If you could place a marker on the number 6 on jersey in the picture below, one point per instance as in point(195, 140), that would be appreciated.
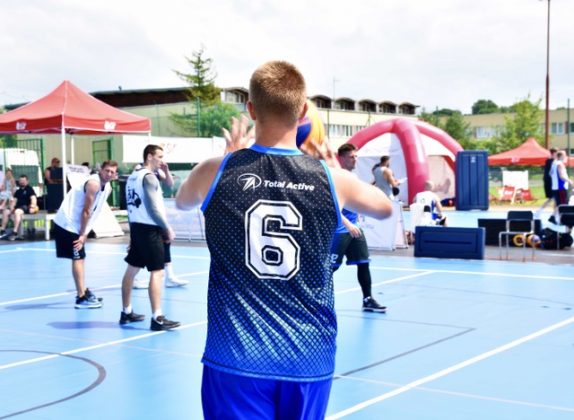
point(271, 252)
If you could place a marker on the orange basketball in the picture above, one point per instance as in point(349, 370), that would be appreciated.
point(311, 127)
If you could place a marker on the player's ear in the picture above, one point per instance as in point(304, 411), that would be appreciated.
point(304, 110)
point(250, 110)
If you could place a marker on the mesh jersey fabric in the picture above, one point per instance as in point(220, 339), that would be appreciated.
point(270, 216)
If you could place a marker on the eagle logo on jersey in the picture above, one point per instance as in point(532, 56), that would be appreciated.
point(248, 181)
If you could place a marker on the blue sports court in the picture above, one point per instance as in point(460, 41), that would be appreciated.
point(462, 339)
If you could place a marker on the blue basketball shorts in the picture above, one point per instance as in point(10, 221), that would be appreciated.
point(226, 396)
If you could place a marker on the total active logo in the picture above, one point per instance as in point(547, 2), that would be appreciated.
point(249, 181)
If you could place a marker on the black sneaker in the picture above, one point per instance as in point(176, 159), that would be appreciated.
point(13, 236)
point(371, 305)
point(90, 295)
point(131, 317)
point(86, 302)
point(163, 324)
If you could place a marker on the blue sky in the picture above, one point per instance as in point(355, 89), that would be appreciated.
point(441, 53)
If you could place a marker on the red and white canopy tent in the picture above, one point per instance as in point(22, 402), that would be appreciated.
point(529, 153)
point(69, 110)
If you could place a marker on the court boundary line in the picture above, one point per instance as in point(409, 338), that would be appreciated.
point(381, 283)
point(73, 292)
point(476, 273)
point(98, 346)
point(465, 395)
point(451, 369)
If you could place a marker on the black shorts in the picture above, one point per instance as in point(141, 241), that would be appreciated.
point(25, 209)
point(355, 249)
point(147, 248)
point(65, 244)
point(560, 197)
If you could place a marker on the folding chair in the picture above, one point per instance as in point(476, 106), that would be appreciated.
point(565, 218)
point(506, 193)
point(513, 218)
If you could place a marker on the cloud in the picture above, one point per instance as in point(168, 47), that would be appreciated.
point(444, 53)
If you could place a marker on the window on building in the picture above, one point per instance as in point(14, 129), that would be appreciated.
point(557, 128)
point(484, 132)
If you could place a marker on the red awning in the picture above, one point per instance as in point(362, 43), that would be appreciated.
point(69, 109)
point(529, 153)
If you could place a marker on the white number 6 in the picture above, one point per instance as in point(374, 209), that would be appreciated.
point(272, 254)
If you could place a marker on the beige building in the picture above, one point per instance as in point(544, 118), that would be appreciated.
point(485, 126)
point(343, 117)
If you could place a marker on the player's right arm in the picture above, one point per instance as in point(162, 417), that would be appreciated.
point(194, 189)
point(360, 197)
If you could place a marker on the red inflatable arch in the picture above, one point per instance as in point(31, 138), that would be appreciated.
point(408, 132)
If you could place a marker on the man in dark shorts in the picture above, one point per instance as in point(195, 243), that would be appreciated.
point(149, 231)
point(73, 222)
point(349, 240)
point(24, 203)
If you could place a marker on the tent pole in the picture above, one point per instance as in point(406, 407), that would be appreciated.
point(64, 160)
point(72, 150)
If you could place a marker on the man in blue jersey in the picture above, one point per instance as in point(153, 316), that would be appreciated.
point(350, 242)
point(270, 215)
point(559, 178)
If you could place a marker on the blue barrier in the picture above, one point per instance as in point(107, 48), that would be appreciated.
point(449, 242)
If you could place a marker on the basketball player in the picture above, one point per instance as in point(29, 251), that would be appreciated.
point(270, 215)
point(73, 222)
point(149, 230)
point(171, 280)
point(350, 242)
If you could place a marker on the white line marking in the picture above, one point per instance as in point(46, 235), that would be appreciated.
point(91, 251)
point(354, 289)
point(96, 346)
point(451, 369)
point(478, 273)
point(110, 286)
point(462, 394)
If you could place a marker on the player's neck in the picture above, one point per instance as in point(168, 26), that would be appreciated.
point(276, 136)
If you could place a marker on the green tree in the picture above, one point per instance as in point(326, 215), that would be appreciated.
point(431, 118)
point(524, 122)
point(459, 130)
point(201, 92)
point(444, 112)
point(215, 117)
point(484, 106)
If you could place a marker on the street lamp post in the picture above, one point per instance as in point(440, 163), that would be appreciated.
point(547, 113)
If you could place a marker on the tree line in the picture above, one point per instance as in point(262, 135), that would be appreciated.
point(521, 120)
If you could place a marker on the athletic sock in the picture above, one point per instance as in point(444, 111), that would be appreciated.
point(169, 271)
point(157, 314)
point(128, 310)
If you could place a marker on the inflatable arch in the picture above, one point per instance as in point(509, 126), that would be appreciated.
point(411, 145)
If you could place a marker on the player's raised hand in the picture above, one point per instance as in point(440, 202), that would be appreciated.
point(322, 151)
point(240, 135)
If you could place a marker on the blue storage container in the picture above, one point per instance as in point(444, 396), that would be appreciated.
point(472, 180)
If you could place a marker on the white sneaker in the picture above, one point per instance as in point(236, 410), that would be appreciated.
point(141, 284)
point(175, 282)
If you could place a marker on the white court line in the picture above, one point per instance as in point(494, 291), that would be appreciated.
point(96, 252)
point(110, 286)
point(411, 276)
point(451, 369)
point(96, 346)
point(462, 394)
point(478, 273)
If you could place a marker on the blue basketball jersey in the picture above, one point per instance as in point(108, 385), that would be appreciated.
point(351, 216)
point(270, 216)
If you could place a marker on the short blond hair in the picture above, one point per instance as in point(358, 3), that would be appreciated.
point(277, 88)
